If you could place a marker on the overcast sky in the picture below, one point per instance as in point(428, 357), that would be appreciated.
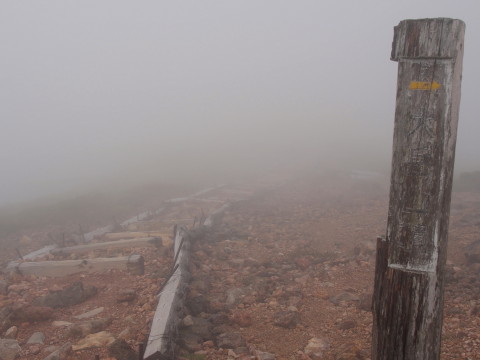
point(92, 90)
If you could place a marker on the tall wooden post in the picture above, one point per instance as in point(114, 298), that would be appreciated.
point(409, 275)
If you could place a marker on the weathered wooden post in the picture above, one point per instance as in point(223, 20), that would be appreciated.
point(409, 276)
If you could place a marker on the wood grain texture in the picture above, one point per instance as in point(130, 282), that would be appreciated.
point(164, 330)
point(133, 263)
point(408, 296)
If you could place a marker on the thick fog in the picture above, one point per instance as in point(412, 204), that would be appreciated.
point(132, 92)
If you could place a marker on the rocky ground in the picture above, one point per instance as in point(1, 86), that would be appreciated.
point(287, 274)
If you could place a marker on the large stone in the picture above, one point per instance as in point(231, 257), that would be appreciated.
point(316, 347)
point(60, 354)
point(89, 327)
point(72, 295)
point(345, 297)
point(191, 342)
point(120, 350)
point(197, 305)
point(230, 340)
point(195, 333)
point(201, 327)
point(11, 333)
point(9, 349)
point(365, 302)
point(29, 313)
point(347, 324)
point(286, 319)
point(126, 295)
point(36, 338)
point(99, 339)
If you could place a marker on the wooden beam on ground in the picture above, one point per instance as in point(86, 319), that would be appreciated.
point(215, 216)
point(161, 341)
point(409, 275)
point(119, 244)
point(134, 234)
point(133, 264)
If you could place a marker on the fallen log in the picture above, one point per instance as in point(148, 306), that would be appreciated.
point(161, 341)
point(134, 264)
point(119, 244)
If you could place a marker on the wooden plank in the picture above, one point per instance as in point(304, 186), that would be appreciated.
point(134, 234)
point(214, 216)
point(118, 244)
point(408, 295)
point(133, 263)
point(163, 333)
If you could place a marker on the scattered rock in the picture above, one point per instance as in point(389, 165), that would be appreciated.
point(72, 295)
point(347, 324)
point(242, 318)
point(29, 313)
point(187, 321)
point(11, 333)
point(197, 332)
point(89, 314)
point(304, 262)
point(197, 305)
point(99, 339)
point(287, 319)
point(365, 302)
point(316, 347)
point(18, 288)
point(262, 355)
point(61, 323)
point(234, 297)
point(89, 327)
point(36, 338)
point(60, 354)
point(223, 328)
point(9, 349)
point(126, 295)
point(191, 342)
point(230, 340)
point(350, 352)
point(345, 297)
point(6, 314)
point(34, 349)
point(202, 327)
point(125, 334)
point(120, 350)
point(3, 287)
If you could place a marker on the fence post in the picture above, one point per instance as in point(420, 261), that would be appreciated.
point(409, 274)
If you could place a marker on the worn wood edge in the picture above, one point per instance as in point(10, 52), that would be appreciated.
point(213, 218)
point(134, 263)
point(416, 31)
point(415, 295)
point(161, 343)
point(136, 242)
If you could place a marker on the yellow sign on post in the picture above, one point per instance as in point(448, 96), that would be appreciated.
point(424, 85)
